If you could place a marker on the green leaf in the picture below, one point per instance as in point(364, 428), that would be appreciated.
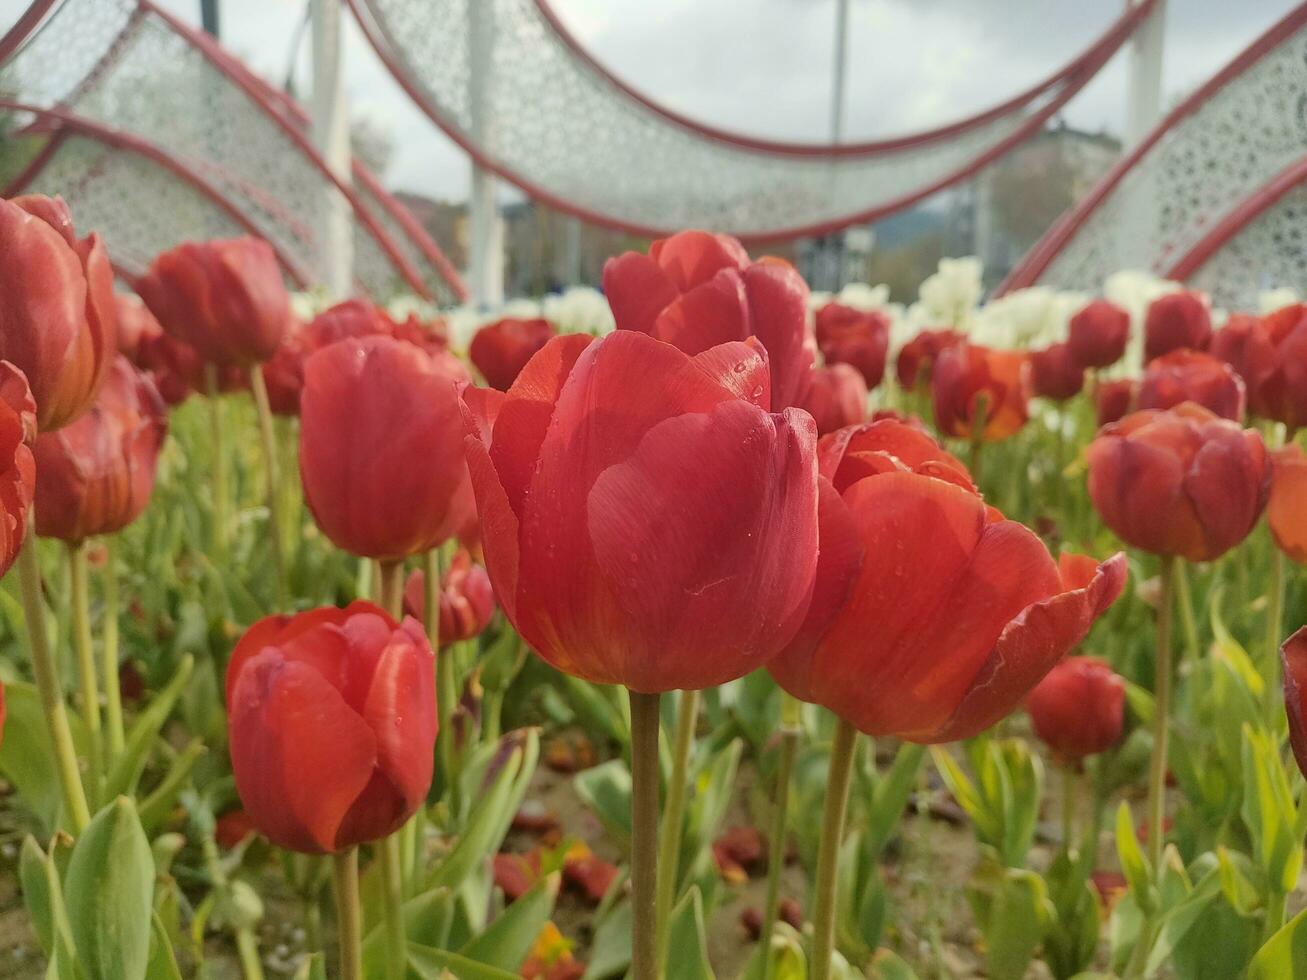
point(507, 941)
point(687, 944)
point(606, 788)
point(163, 964)
point(1017, 916)
point(110, 888)
point(610, 953)
point(1133, 863)
point(427, 921)
point(1236, 882)
point(25, 758)
point(888, 965)
point(1285, 953)
point(432, 964)
point(37, 896)
point(1269, 811)
point(891, 796)
point(312, 968)
point(482, 834)
point(145, 731)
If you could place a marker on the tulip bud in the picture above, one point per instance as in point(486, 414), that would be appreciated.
point(859, 338)
point(1287, 510)
point(1270, 353)
point(467, 602)
point(1176, 321)
point(836, 398)
point(1078, 709)
point(332, 725)
point(223, 297)
point(1114, 400)
point(96, 475)
point(972, 383)
point(696, 290)
point(1098, 334)
point(1192, 376)
point(58, 324)
point(916, 363)
point(501, 349)
point(1179, 482)
point(1055, 373)
point(1293, 658)
point(381, 447)
point(17, 466)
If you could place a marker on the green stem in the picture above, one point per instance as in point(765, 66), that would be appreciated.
point(349, 924)
point(272, 467)
point(791, 729)
point(392, 907)
point(1161, 713)
point(1070, 787)
point(47, 682)
point(1275, 906)
point(644, 835)
point(84, 646)
point(218, 454)
point(247, 945)
point(1193, 646)
point(109, 654)
point(828, 854)
point(669, 843)
point(446, 675)
point(1275, 608)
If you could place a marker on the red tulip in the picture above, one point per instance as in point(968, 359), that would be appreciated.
point(1271, 355)
point(135, 321)
point(96, 475)
point(645, 521)
point(467, 602)
point(916, 363)
point(933, 616)
point(1192, 376)
point(223, 297)
point(836, 398)
point(17, 466)
point(1098, 334)
point(1055, 373)
point(331, 717)
point(283, 373)
point(381, 447)
point(1293, 657)
point(1179, 482)
point(1114, 400)
point(1078, 709)
point(58, 324)
point(859, 338)
point(501, 349)
point(1287, 510)
point(970, 379)
point(232, 828)
point(1176, 321)
point(696, 291)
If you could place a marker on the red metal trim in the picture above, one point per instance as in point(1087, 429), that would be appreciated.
point(238, 75)
point(36, 164)
point(1056, 238)
point(70, 123)
point(24, 26)
point(1032, 124)
point(1243, 214)
point(870, 147)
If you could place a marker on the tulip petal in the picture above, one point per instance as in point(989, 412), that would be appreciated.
point(300, 775)
point(1138, 490)
point(711, 314)
point(1027, 649)
point(1228, 483)
point(1293, 657)
point(778, 301)
point(637, 290)
point(741, 368)
point(1287, 511)
point(691, 258)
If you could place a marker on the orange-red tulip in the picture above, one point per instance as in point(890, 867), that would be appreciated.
point(1287, 510)
point(58, 324)
point(969, 380)
point(1176, 321)
point(1098, 334)
point(467, 602)
point(331, 718)
point(1114, 400)
point(17, 467)
point(1179, 482)
point(501, 349)
point(645, 520)
point(837, 397)
point(1192, 376)
point(933, 617)
point(859, 338)
point(1293, 657)
point(1270, 354)
point(1055, 373)
point(696, 290)
point(916, 363)
point(96, 475)
point(381, 446)
point(224, 297)
point(1078, 709)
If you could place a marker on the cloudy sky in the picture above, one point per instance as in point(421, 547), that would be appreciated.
point(763, 66)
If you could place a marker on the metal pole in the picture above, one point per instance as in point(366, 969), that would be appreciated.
point(331, 136)
point(486, 227)
point(839, 71)
point(209, 16)
point(1144, 94)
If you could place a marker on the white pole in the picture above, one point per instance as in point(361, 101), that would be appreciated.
point(839, 71)
point(1144, 95)
point(486, 227)
point(330, 117)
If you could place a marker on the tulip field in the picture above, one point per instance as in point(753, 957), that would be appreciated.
point(736, 631)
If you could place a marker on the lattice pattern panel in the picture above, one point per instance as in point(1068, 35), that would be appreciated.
point(1209, 161)
point(564, 130)
point(137, 206)
point(124, 65)
point(1269, 253)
